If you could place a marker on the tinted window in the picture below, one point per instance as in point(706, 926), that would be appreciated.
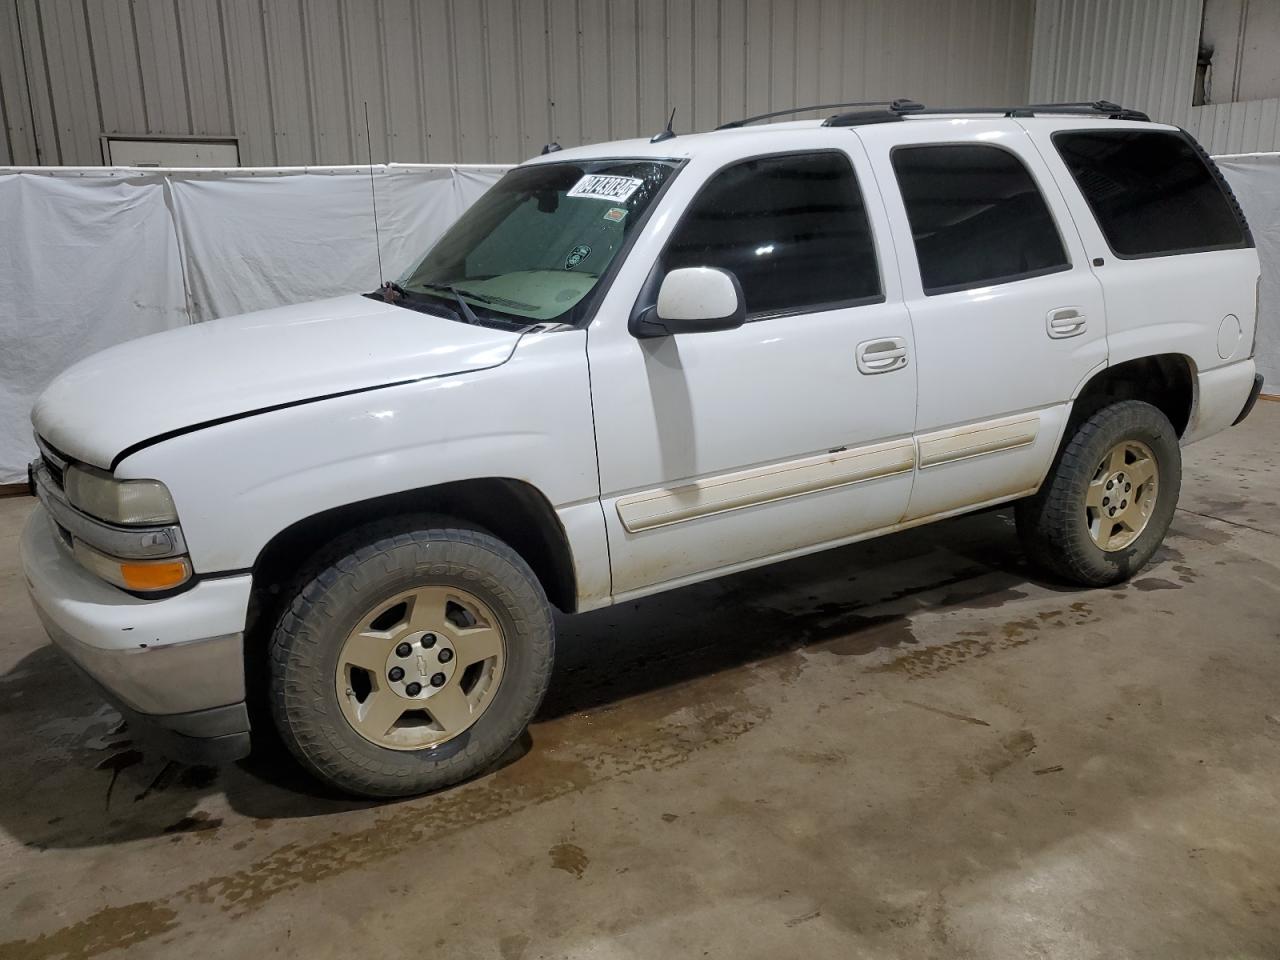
point(1151, 192)
point(976, 216)
point(792, 229)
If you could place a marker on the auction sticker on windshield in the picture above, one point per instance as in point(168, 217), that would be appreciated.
point(617, 189)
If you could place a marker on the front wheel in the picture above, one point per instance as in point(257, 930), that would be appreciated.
point(1109, 499)
point(413, 660)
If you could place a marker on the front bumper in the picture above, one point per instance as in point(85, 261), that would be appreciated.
point(174, 667)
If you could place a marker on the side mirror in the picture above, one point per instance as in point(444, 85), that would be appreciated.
point(694, 300)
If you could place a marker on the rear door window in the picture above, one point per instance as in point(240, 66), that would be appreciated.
point(977, 217)
point(1150, 191)
point(792, 228)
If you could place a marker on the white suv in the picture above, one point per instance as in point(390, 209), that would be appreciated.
point(629, 367)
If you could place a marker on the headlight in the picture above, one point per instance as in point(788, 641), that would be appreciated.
point(125, 502)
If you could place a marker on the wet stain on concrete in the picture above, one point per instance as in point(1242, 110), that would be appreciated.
point(796, 921)
point(820, 758)
point(894, 631)
point(969, 645)
point(1155, 583)
point(111, 928)
point(1197, 530)
point(947, 713)
point(867, 634)
point(1012, 748)
point(570, 858)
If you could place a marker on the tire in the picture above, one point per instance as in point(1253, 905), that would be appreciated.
point(326, 648)
point(1055, 524)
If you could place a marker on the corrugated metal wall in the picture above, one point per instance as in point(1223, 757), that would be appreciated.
point(472, 80)
point(1141, 53)
point(1252, 126)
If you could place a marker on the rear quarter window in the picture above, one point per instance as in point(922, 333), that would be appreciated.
point(1151, 192)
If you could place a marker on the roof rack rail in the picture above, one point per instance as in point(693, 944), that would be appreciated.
point(1112, 112)
point(902, 107)
point(899, 109)
point(732, 124)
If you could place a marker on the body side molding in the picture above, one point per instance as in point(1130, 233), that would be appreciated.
point(975, 439)
point(648, 509)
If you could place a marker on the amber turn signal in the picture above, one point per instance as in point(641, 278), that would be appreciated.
point(154, 576)
point(143, 576)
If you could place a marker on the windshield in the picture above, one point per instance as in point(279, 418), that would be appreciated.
point(539, 240)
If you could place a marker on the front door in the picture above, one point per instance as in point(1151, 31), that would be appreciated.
point(722, 450)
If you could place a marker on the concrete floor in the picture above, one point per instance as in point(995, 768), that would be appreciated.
point(902, 748)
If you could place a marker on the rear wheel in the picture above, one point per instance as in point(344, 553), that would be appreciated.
point(412, 661)
point(1109, 499)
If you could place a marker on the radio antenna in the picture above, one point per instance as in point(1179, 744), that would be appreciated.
point(373, 193)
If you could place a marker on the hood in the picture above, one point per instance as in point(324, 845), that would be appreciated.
point(225, 368)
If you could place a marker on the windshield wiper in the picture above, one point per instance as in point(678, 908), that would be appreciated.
point(465, 308)
point(483, 298)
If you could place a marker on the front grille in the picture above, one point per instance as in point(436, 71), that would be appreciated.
point(53, 461)
point(55, 472)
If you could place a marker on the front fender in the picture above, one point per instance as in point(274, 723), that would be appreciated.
point(237, 484)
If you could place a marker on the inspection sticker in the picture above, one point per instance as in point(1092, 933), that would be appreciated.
point(617, 189)
point(576, 256)
point(615, 214)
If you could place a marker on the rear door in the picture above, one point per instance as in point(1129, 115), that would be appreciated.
point(1008, 317)
point(1164, 236)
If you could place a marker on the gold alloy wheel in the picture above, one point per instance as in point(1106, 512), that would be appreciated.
point(420, 667)
point(1122, 495)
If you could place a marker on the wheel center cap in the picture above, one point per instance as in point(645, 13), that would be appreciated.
point(1117, 494)
point(425, 667)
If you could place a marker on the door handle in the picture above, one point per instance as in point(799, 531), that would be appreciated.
point(881, 356)
point(1066, 322)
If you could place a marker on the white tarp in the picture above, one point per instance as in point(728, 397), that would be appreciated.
point(1255, 180)
point(96, 256)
